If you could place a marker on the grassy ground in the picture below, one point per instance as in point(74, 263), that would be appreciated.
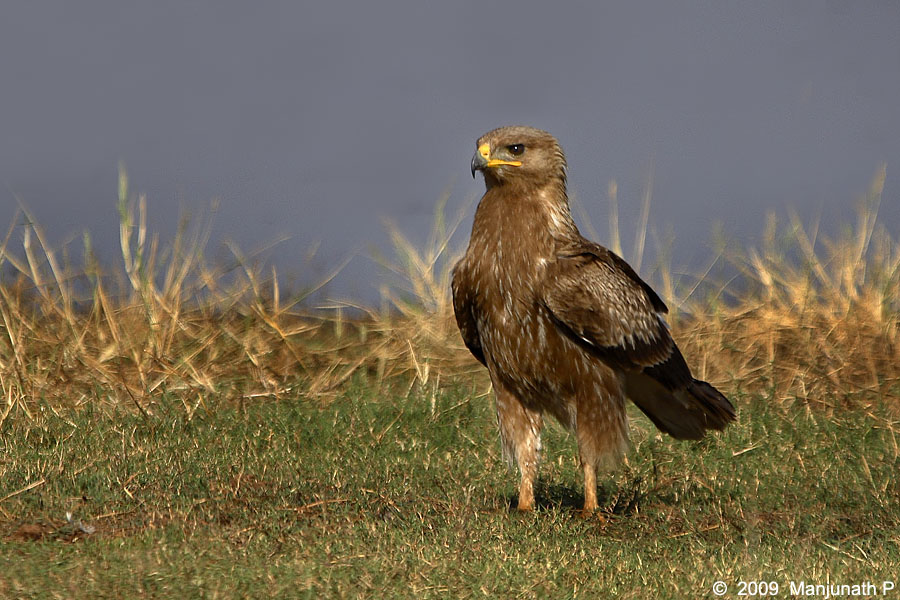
point(407, 496)
point(174, 429)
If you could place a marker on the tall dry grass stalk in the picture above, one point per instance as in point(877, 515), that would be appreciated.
point(809, 319)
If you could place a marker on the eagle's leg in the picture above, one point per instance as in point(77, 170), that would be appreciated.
point(520, 433)
point(590, 440)
point(590, 488)
point(602, 432)
point(527, 449)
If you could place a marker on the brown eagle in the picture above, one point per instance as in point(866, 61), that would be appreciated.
point(563, 325)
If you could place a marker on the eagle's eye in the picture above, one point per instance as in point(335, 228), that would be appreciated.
point(516, 149)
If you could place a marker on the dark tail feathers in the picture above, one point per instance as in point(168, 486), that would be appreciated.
point(685, 414)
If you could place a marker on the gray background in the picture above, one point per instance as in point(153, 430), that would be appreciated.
point(317, 121)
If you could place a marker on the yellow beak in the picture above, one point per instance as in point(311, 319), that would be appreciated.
point(483, 160)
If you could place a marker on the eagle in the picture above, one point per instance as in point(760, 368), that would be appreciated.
point(564, 326)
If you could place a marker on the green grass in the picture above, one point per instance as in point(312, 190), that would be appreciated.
point(393, 496)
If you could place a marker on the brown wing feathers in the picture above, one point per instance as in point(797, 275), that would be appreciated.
point(465, 318)
point(608, 309)
point(598, 301)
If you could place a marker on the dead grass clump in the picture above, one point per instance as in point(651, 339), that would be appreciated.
point(169, 324)
point(805, 318)
point(815, 319)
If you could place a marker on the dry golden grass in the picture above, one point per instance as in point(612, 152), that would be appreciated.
point(810, 319)
point(813, 325)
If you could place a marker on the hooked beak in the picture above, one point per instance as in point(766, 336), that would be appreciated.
point(482, 160)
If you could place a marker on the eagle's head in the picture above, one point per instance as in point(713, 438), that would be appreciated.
point(519, 155)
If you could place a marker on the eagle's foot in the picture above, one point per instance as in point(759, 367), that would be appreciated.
point(590, 490)
point(592, 513)
point(526, 495)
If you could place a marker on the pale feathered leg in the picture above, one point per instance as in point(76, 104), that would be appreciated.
point(590, 488)
point(520, 434)
point(602, 431)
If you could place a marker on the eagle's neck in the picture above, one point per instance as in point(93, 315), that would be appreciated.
point(555, 202)
point(535, 212)
point(516, 233)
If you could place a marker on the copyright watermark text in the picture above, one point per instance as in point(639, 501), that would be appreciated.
point(804, 589)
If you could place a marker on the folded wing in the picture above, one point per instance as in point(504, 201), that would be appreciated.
point(463, 308)
point(596, 299)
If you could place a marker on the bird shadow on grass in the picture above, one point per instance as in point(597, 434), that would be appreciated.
point(616, 500)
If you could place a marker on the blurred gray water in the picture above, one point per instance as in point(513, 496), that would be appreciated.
point(319, 120)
